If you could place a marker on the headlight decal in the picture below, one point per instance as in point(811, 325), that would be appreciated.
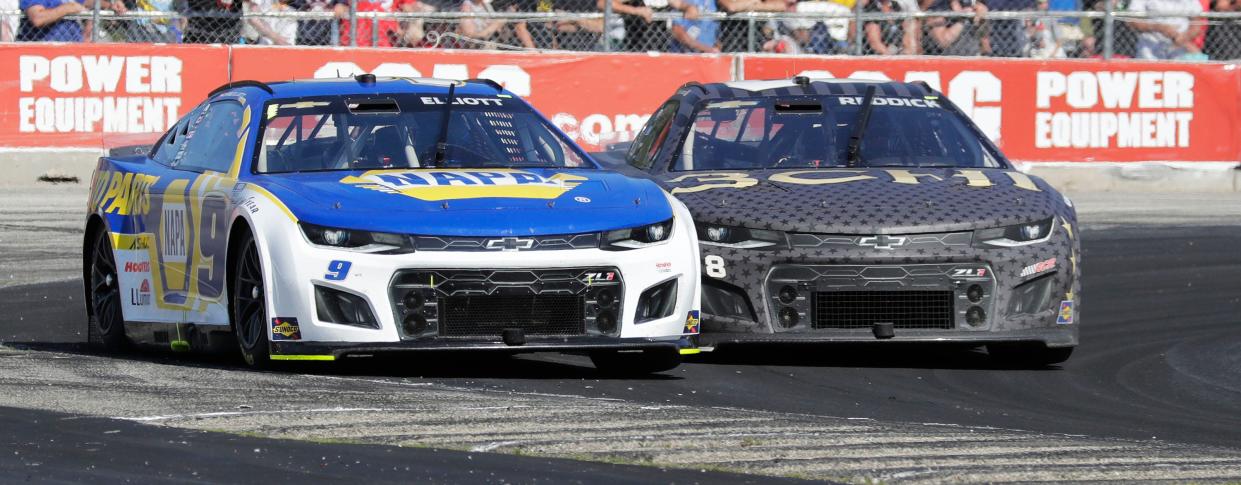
point(359, 241)
point(638, 237)
point(738, 237)
point(1016, 235)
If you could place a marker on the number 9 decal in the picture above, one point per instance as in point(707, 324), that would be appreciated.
point(714, 266)
point(337, 270)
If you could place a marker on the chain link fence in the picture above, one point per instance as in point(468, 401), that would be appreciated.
point(1009, 28)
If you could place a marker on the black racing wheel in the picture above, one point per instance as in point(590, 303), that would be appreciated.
point(249, 310)
point(106, 320)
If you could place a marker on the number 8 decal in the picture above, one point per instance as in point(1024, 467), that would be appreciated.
point(337, 270)
point(715, 266)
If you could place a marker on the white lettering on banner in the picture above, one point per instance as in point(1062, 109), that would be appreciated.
point(1171, 92)
point(598, 129)
point(967, 89)
point(78, 76)
point(513, 78)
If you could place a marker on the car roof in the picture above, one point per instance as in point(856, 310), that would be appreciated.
point(806, 86)
point(365, 85)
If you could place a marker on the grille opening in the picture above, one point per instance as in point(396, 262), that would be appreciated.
point(490, 315)
point(905, 309)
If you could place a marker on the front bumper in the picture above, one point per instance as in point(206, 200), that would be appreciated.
point(339, 350)
point(381, 282)
point(1050, 337)
point(940, 289)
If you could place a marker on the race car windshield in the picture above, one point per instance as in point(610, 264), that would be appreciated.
point(814, 132)
point(402, 131)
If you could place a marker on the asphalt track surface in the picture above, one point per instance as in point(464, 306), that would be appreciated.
point(1159, 362)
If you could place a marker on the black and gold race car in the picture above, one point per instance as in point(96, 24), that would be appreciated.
point(847, 210)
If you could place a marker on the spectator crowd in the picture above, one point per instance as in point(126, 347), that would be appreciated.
point(1146, 29)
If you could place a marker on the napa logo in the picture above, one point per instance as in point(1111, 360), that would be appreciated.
point(437, 185)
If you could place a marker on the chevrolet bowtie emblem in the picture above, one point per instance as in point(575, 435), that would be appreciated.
point(882, 241)
point(509, 244)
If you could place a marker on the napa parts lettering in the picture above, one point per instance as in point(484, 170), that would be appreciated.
point(90, 94)
point(436, 185)
point(125, 193)
point(1148, 109)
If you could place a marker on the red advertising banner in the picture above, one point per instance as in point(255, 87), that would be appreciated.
point(79, 95)
point(595, 98)
point(103, 95)
point(1066, 110)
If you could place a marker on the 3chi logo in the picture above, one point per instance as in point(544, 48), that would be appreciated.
point(140, 296)
point(509, 244)
point(882, 241)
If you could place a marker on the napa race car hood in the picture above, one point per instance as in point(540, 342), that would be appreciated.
point(469, 202)
point(865, 201)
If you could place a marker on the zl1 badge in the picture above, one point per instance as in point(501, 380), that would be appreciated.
point(1065, 316)
point(285, 329)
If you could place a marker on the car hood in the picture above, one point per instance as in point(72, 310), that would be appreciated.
point(460, 202)
point(866, 201)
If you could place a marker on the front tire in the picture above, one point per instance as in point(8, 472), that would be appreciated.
point(634, 364)
point(248, 305)
point(1028, 355)
point(106, 320)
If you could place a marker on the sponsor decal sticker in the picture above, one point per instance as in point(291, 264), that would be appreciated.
point(692, 323)
point(138, 267)
point(1065, 315)
point(437, 185)
point(285, 329)
point(337, 270)
point(584, 200)
point(1039, 267)
point(141, 296)
point(663, 267)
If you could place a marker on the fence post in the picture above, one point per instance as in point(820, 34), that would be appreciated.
point(607, 25)
point(353, 23)
point(94, 23)
point(335, 30)
point(857, 27)
point(751, 35)
point(1109, 30)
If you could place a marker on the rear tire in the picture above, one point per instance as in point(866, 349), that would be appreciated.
point(106, 322)
point(248, 307)
point(634, 364)
point(1028, 355)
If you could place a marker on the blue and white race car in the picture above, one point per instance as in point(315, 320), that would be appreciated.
point(323, 219)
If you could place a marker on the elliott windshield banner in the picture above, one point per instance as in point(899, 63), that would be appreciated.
point(596, 99)
point(107, 95)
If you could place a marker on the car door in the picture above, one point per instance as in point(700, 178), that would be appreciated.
point(163, 237)
point(192, 221)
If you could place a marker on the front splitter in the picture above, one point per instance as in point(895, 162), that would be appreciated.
point(337, 350)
